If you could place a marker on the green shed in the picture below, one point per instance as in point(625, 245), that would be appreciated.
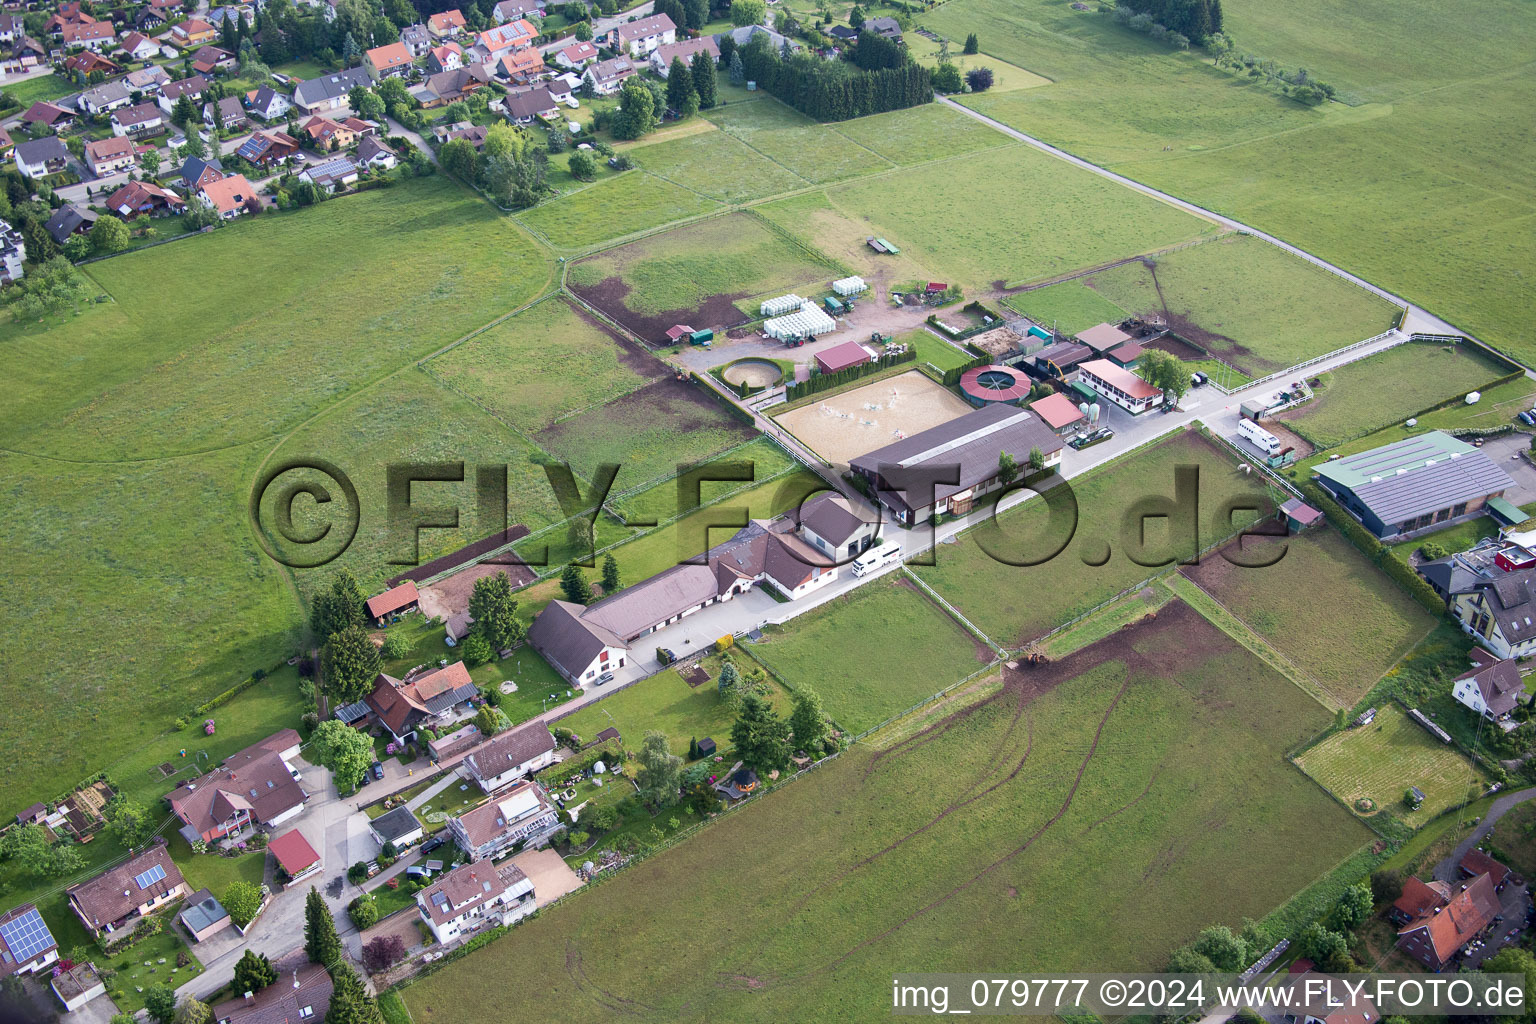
point(700, 337)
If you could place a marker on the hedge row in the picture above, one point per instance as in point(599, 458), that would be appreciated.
point(1373, 548)
point(952, 376)
point(824, 381)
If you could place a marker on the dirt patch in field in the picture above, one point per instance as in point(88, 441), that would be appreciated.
point(1290, 437)
point(1219, 345)
point(610, 295)
point(1176, 346)
point(635, 357)
point(694, 675)
point(680, 404)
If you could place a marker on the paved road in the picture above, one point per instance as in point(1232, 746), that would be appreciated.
point(1417, 319)
point(1447, 870)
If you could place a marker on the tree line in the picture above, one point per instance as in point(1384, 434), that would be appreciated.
point(875, 76)
point(1193, 19)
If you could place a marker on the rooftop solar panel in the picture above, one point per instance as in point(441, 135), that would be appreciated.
point(150, 877)
point(26, 936)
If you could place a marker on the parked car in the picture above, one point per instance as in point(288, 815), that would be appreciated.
point(378, 771)
point(418, 872)
point(606, 677)
point(432, 844)
point(1527, 419)
point(1196, 379)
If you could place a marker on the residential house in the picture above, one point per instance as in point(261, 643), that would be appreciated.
point(494, 44)
point(511, 10)
point(1417, 483)
point(639, 38)
point(416, 40)
point(1443, 930)
point(359, 128)
point(579, 54)
point(148, 19)
point(141, 121)
point(965, 451)
point(524, 106)
point(209, 59)
point(1492, 688)
point(26, 54)
point(89, 62)
point(1118, 385)
point(447, 24)
point(388, 60)
point(885, 27)
point(373, 155)
point(192, 33)
point(197, 172)
point(444, 58)
point(1475, 862)
point(329, 175)
point(192, 87)
point(1314, 998)
point(119, 896)
point(138, 197)
point(257, 786)
point(99, 36)
point(231, 195)
point(69, 12)
point(327, 135)
point(26, 944)
point(394, 601)
point(563, 88)
point(836, 526)
point(12, 28)
point(301, 993)
point(69, 220)
point(329, 92)
point(398, 826)
point(523, 814)
point(226, 114)
point(106, 156)
point(605, 77)
point(433, 699)
point(267, 104)
point(13, 254)
point(104, 98)
point(147, 80)
point(843, 33)
point(268, 148)
point(662, 56)
point(521, 65)
point(203, 916)
point(502, 760)
point(43, 114)
point(746, 33)
point(7, 144)
point(446, 86)
point(1418, 899)
point(139, 46)
point(39, 158)
point(473, 896)
point(473, 134)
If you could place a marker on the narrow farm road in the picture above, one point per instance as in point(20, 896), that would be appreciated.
point(1447, 870)
point(1416, 320)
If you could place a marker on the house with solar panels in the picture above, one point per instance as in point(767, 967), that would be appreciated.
point(475, 896)
point(118, 897)
point(26, 944)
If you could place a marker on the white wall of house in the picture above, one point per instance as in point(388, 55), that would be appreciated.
point(512, 774)
point(819, 578)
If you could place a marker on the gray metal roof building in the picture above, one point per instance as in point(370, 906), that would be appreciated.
point(1414, 483)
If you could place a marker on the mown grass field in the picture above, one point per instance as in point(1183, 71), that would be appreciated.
point(982, 233)
point(1246, 301)
point(1067, 307)
point(873, 652)
point(814, 152)
point(933, 349)
point(1363, 396)
point(711, 274)
point(665, 500)
point(1364, 186)
point(612, 208)
point(666, 703)
point(1323, 606)
point(920, 134)
point(1106, 813)
point(1014, 604)
point(717, 166)
point(1378, 762)
point(544, 363)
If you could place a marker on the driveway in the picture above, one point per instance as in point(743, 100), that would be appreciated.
point(1508, 454)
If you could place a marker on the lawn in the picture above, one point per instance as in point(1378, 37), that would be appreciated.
point(983, 233)
point(1015, 604)
point(712, 274)
point(717, 166)
point(149, 962)
point(1457, 537)
point(1363, 396)
point(1514, 837)
point(1066, 307)
point(1244, 300)
point(631, 202)
point(534, 678)
point(544, 363)
point(922, 134)
point(664, 500)
point(814, 152)
point(1364, 186)
point(933, 349)
point(43, 87)
point(1322, 605)
point(666, 703)
point(1108, 813)
point(1378, 762)
point(214, 872)
point(875, 651)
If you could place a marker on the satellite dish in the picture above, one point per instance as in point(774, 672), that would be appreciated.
point(599, 768)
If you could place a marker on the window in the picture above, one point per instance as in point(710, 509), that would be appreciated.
point(306, 1012)
point(1460, 509)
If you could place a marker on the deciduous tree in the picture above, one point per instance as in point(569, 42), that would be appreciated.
point(383, 952)
point(242, 899)
point(582, 166)
point(160, 1003)
point(661, 771)
point(130, 823)
point(192, 1010)
point(1007, 468)
point(1166, 371)
point(343, 750)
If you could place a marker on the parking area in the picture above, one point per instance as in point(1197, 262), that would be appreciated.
point(1508, 453)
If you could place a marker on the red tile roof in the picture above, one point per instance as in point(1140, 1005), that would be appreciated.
point(1121, 378)
point(293, 852)
point(1057, 410)
point(1449, 929)
point(392, 600)
point(1476, 862)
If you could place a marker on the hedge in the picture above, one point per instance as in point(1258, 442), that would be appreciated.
point(1373, 548)
point(825, 381)
point(952, 376)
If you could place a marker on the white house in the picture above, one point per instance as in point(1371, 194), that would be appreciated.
point(104, 97)
point(398, 826)
point(1491, 688)
point(13, 252)
point(639, 38)
point(502, 760)
point(41, 157)
point(474, 896)
point(523, 814)
point(606, 77)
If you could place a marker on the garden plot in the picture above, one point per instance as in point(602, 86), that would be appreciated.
point(840, 426)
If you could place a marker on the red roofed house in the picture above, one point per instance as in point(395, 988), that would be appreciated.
point(328, 134)
point(473, 896)
point(50, 114)
point(842, 357)
point(119, 896)
point(231, 196)
point(1321, 999)
point(446, 25)
point(448, 57)
point(494, 44)
point(1119, 385)
point(301, 993)
point(1419, 898)
point(295, 856)
point(138, 197)
point(1493, 688)
point(257, 786)
point(93, 35)
point(576, 56)
point(1060, 413)
point(394, 601)
point(387, 60)
point(1476, 862)
point(436, 699)
point(87, 61)
point(521, 64)
point(1435, 937)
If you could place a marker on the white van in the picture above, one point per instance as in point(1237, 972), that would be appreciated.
point(873, 559)
point(1260, 438)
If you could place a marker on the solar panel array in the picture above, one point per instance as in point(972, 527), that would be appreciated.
point(26, 936)
point(150, 877)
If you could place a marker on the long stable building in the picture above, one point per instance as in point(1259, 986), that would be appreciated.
point(972, 444)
